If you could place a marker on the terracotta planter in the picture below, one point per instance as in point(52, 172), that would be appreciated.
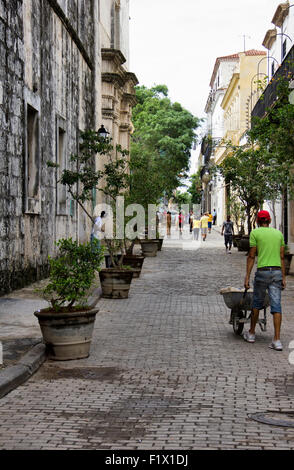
point(67, 335)
point(115, 283)
point(135, 262)
point(149, 247)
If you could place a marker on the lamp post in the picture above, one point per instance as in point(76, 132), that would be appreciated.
point(206, 179)
point(103, 132)
point(267, 57)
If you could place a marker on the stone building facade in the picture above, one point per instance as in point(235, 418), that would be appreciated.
point(63, 69)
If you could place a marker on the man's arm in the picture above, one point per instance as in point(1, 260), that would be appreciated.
point(282, 254)
point(250, 264)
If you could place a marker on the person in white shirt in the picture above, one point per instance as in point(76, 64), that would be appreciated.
point(99, 227)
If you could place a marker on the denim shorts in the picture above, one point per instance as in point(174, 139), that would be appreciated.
point(228, 239)
point(270, 281)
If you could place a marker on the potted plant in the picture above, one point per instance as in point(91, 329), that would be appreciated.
point(113, 181)
point(250, 176)
point(67, 324)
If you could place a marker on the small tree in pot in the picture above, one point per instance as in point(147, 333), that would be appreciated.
point(251, 177)
point(113, 181)
point(67, 325)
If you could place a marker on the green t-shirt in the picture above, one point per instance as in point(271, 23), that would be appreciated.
point(268, 242)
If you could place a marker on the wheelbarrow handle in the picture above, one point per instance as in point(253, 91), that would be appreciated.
point(245, 292)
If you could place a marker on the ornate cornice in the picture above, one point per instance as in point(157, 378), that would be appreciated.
point(114, 55)
point(115, 78)
point(132, 77)
point(281, 12)
point(269, 38)
point(130, 98)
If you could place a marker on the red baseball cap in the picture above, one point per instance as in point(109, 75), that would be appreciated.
point(263, 215)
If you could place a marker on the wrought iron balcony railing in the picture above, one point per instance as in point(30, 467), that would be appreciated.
point(269, 96)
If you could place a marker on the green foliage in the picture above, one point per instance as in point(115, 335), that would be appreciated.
point(113, 180)
point(251, 177)
point(72, 272)
point(237, 212)
point(182, 198)
point(274, 133)
point(195, 188)
point(161, 144)
point(263, 168)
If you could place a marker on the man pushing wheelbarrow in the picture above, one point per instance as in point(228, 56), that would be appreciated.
point(268, 244)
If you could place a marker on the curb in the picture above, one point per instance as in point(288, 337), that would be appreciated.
point(12, 377)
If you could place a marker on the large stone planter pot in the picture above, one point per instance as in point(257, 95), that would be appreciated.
point(135, 262)
point(243, 243)
point(115, 283)
point(67, 335)
point(149, 247)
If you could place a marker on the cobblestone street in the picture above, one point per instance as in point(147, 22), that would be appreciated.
point(166, 370)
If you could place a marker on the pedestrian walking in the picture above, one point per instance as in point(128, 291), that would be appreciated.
point(98, 228)
point(268, 244)
point(204, 225)
point(196, 227)
point(181, 222)
point(228, 232)
point(191, 217)
point(210, 219)
point(168, 223)
point(214, 217)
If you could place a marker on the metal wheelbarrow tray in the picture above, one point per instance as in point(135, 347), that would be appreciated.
point(240, 302)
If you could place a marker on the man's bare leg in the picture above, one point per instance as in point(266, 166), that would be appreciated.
point(254, 320)
point(277, 318)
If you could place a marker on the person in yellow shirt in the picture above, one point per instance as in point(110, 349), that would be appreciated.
point(196, 227)
point(204, 225)
point(210, 219)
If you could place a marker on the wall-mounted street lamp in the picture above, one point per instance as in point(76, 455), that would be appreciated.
point(267, 57)
point(206, 177)
point(103, 132)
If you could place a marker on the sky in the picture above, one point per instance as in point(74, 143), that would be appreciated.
point(176, 42)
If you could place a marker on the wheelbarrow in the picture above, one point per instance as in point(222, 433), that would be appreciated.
point(240, 303)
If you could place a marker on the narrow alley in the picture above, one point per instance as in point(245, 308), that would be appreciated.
point(166, 370)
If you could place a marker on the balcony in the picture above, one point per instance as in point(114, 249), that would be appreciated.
point(269, 96)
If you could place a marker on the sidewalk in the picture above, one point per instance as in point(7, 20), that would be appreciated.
point(23, 351)
point(166, 370)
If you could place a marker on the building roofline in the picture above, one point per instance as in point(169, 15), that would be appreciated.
point(229, 58)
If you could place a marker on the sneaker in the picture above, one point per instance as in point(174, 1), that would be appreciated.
point(249, 337)
point(229, 252)
point(277, 345)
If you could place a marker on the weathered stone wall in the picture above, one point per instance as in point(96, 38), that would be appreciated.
point(46, 62)
point(51, 74)
point(11, 144)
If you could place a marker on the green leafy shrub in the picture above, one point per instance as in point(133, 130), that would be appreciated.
point(72, 273)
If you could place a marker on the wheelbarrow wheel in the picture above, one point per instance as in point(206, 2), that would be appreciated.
point(237, 325)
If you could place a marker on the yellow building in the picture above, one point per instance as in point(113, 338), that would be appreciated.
point(239, 99)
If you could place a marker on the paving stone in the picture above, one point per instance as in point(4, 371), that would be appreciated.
point(165, 371)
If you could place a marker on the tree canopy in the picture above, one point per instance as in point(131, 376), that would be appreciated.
point(164, 133)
